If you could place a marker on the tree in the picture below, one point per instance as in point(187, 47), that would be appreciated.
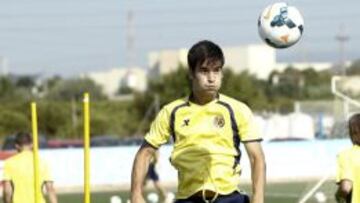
point(73, 89)
point(13, 121)
point(9, 92)
point(26, 82)
point(354, 69)
point(244, 87)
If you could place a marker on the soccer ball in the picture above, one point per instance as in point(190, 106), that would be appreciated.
point(280, 25)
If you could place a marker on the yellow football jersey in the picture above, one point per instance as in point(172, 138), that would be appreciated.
point(348, 168)
point(19, 169)
point(206, 139)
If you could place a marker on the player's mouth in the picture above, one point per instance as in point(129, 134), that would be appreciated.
point(211, 88)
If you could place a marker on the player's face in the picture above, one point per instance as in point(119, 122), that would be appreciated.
point(206, 78)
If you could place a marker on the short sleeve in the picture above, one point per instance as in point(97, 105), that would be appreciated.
point(7, 172)
point(159, 130)
point(343, 167)
point(248, 129)
point(46, 172)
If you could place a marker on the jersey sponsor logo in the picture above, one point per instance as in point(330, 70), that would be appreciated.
point(219, 121)
point(185, 122)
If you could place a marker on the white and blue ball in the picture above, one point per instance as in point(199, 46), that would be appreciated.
point(280, 25)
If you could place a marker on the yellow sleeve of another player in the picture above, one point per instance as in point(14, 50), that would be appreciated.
point(159, 130)
point(46, 172)
point(344, 170)
point(248, 129)
point(7, 172)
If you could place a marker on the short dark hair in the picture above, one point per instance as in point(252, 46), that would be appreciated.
point(202, 51)
point(23, 138)
point(354, 128)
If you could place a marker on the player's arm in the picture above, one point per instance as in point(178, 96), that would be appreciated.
point(139, 170)
point(344, 190)
point(258, 170)
point(49, 186)
point(7, 191)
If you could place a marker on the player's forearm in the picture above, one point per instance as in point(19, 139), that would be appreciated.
point(53, 197)
point(7, 199)
point(258, 177)
point(140, 167)
point(51, 192)
point(7, 192)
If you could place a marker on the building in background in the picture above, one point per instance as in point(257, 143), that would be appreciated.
point(166, 61)
point(4, 66)
point(115, 79)
point(238, 58)
point(257, 59)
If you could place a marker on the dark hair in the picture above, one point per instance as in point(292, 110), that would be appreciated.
point(204, 50)
point(354, 129)
point(22, 138)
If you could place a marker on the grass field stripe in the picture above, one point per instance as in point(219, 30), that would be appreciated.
point(34, 125)
point(314, 189)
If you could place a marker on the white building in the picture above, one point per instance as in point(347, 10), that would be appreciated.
point(257, 59)
point(237, 58)
point(111, 80)
point(166, 61)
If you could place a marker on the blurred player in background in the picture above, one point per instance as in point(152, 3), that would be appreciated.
point(348, 166)
point(19, 174)
point(207, 128)
point(154, 177)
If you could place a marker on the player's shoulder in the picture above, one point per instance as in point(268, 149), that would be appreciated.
point(345, 152)
point(14, 159)
point(237, 105)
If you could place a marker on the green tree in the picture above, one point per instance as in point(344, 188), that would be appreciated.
point(354, 69)
point(71, 89)
point(13, 121)
point(9, 91)
point(244, 87)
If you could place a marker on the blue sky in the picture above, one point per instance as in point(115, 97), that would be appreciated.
point(70, 37)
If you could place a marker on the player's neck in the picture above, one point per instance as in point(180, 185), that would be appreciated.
point(202, 99)
point(24, 148)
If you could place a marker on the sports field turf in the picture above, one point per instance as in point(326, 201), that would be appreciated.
point(275, 193)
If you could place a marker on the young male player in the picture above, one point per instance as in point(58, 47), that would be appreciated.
point(207, 128)
point(348, 166)
point(19, 174)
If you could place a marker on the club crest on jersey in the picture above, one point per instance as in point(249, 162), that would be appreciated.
point(219, 121)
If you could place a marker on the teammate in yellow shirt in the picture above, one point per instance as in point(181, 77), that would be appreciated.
point(348, 166)
point(207, 128)
point(19, 174)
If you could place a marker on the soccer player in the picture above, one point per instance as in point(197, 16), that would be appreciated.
point(206, 128)
point(19, 174)
point(348, 166)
